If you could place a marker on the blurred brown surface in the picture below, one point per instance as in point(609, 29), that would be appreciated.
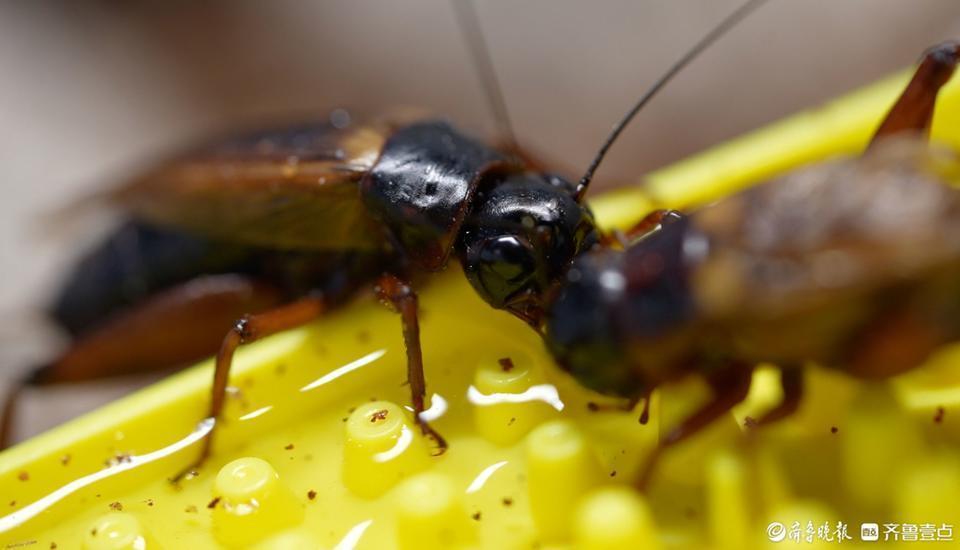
point(90, 91)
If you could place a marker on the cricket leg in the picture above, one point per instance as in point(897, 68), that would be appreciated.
point(624, 405)
point(913, 111)
point(7, 421)
point(729, 389)
point(175, 327)
point(401, 298)
point(791, 381)
point(645, 414)
point(249, 329)
point(651, 222)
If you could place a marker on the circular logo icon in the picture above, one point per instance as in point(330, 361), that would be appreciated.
point(776, 531)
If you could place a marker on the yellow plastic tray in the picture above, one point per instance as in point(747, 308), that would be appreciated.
point(327, 458)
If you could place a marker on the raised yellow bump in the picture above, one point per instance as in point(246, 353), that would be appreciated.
point(430, 513)
point(612, 518)
point(873, 423)
point(505, 423)
point(382, 447)
point(561, 468)
point(250, 502)
point(925, 488)
point(685, 464)
point(728, 501)
point(297, 539)
point(116, 531)
point(246, 479)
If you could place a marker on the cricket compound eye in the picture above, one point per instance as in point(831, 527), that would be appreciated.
point(500, 268)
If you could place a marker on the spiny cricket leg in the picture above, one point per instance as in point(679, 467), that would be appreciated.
point(913, 111)
point(248, 329)
point(400, 297)
point(729, 389)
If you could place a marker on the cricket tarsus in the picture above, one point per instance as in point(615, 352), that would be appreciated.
point(401, 298)
point(645, 415)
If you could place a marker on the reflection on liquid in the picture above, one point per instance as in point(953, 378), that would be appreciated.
point(253, 414)
point(350, 540)
point(404, 441)
point(349, 367)
point(438, 406)
point(481, 479)
point(541, 392)
point(30, 511)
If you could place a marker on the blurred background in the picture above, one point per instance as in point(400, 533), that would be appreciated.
point(92, 91)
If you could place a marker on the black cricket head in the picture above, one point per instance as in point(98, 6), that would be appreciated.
point(521, 236)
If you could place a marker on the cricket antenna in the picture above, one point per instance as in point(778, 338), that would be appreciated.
point(728, 23)
point(470, 25)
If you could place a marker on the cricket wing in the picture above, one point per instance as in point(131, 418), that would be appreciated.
point(287, 188)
